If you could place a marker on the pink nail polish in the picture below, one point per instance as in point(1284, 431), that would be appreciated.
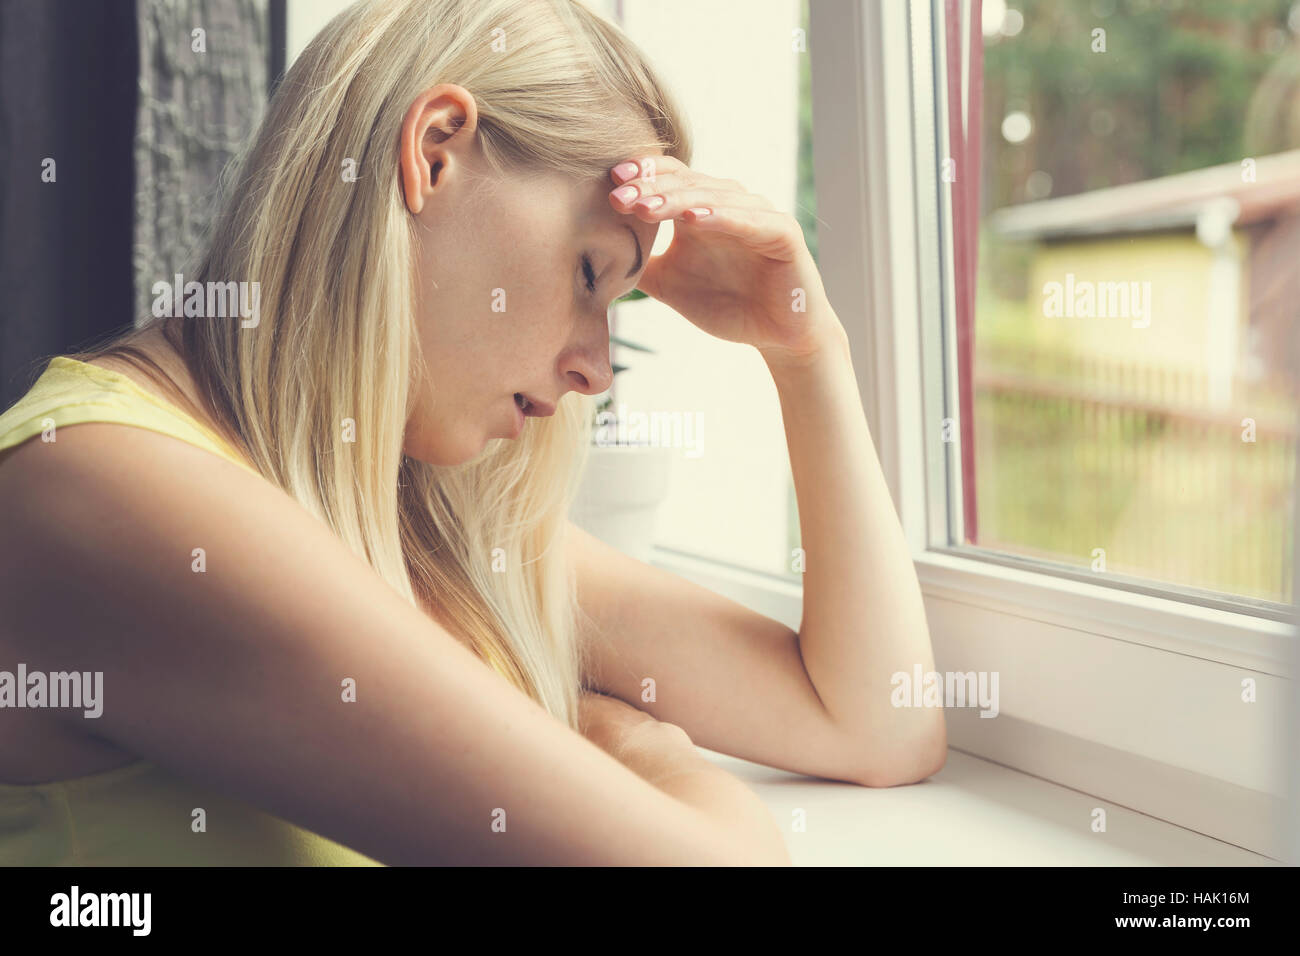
point(699, 212)
point(625, 171)
point(625, 193)
point(654, 202)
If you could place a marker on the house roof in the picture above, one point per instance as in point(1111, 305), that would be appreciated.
point(1170, 202)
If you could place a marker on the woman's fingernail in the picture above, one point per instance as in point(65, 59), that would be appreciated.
point(625, 171)
point(699, 212)
point(654, 202)
point(625, 193)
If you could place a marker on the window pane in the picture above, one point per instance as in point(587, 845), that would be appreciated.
point(1137, 305)
point(730, 495)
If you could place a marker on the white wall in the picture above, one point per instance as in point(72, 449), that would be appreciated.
point(304, 20)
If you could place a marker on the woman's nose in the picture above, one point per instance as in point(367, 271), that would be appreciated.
point(587, 370)
point(584, 366)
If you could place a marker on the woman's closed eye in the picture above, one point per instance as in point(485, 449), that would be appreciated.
point(589, 273)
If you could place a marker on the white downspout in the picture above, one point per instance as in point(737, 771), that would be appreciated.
point(1223, 301)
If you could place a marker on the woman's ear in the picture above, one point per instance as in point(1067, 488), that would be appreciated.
point(436, 133)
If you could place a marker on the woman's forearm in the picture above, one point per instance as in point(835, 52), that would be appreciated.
point(666, 758)
point(732, 808)
point(863, 618)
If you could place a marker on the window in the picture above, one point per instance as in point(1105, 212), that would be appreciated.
point(1121, 199)
point(743, 84)
point(1122, 684)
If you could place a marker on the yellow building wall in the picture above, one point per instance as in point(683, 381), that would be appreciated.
point(1176, 265)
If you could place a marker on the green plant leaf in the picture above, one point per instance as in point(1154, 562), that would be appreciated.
point(630, 345)
point(632, 296)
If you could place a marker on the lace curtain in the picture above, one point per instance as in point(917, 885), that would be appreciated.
point(204, 74)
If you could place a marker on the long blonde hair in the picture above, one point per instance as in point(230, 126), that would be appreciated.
point(557, 88)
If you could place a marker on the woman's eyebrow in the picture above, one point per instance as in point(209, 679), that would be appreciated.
point(637, 264)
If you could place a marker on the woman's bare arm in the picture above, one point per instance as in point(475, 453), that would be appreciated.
point(233, 676)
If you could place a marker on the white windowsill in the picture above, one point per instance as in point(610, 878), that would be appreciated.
point(971, 813)
point(1215, 769)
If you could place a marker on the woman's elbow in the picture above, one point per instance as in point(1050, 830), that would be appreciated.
point(911, 766)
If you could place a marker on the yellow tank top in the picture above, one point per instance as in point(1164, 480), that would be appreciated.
point(139, 814)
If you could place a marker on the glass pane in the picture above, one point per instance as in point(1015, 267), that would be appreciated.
point(730, 495)
point(1138, 298)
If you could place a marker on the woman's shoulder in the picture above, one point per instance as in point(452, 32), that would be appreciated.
point(91, 462)
point(73, 468)
point(104, 390)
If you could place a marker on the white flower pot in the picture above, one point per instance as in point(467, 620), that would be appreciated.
point(620, 496)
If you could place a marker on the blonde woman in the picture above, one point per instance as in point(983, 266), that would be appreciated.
point(281, 541)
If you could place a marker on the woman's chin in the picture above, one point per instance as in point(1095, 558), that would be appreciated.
point(461, 443)
point(445, 454)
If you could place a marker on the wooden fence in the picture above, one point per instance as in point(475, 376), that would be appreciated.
point(1078, 453)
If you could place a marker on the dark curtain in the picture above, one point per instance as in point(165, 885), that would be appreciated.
point(965, 67)
point(68, 74)
point(140, 120)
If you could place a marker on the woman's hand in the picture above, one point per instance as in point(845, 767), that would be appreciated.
point(737, 268)
point(621, 730)
point(663, 755)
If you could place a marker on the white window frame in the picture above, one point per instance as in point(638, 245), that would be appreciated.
point(1132, 697)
